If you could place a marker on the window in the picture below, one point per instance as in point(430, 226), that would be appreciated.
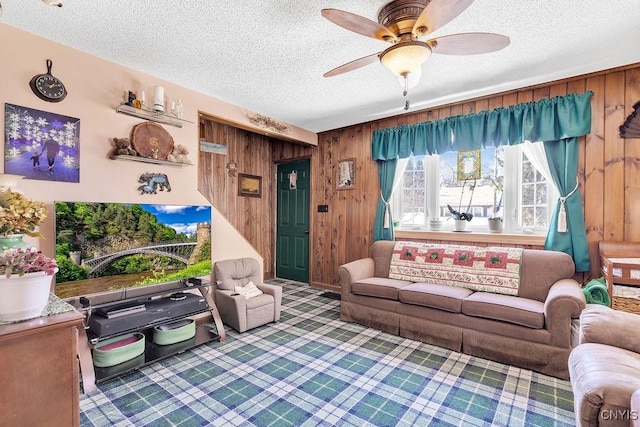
point(510, 187)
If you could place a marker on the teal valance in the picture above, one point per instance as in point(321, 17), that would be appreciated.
point(549, 119)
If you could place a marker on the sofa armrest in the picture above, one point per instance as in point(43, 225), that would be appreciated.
point(565, 301)
point(604, 325)
point(353, 271)
point(276, 293)
point(232, 308)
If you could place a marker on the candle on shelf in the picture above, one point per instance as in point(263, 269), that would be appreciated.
point(173, 107)
point(158, 100)
point(142, 97)
point(179, 108)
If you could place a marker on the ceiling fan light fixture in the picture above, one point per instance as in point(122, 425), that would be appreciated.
point(410, 80)
point(405, 57)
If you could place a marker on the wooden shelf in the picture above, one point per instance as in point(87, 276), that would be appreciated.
point(150, 160)
point(143, 113)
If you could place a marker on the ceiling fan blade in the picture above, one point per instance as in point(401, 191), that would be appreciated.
point(359, 24)
point(468, 43)
point(437, 14)
point(353, 65)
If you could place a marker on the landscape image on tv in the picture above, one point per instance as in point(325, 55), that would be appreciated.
point(108, 246)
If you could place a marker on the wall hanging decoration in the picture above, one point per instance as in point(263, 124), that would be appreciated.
point(631, 126)
point(249, 185)
point(468, 165)
point(346, 174)
point(41, 145)
point(213, 148)
point(151, 140)
point(267, 123)
point(293, 180)
point(153, 182)
point(47, 87)
point(232, 168)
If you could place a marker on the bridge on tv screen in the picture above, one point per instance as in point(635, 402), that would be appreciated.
point(178, 251)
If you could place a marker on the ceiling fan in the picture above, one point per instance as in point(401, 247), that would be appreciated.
point(403, 24)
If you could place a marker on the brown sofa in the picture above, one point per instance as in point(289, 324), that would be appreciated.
point(605, 368)
point(535, 330)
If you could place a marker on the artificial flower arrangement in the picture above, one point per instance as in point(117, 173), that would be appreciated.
point(19, 215)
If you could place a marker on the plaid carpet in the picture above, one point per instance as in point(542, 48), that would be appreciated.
point(311, 369)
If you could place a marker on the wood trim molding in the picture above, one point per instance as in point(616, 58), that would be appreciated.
point(473, 237)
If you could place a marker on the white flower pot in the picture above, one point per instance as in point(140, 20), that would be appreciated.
point(435, 224)
point(495, 225)
point(24, 297)
point(461, 224)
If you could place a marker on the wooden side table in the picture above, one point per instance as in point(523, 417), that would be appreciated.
point(39, 375)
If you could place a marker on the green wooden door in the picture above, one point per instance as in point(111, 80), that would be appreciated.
point(292, 217)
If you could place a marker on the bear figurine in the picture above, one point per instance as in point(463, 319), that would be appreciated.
point(122, 146)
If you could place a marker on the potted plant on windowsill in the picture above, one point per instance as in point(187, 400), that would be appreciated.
point(462, 218)
point(495, 221)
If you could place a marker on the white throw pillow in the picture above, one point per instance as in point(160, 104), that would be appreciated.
point(249, 290)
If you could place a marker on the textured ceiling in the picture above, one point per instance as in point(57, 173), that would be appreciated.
point(269, 56)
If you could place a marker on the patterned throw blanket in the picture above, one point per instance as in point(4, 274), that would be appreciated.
point(488, 269)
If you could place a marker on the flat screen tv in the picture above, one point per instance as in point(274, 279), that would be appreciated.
point(102, 247)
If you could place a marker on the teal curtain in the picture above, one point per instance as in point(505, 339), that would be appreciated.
point(563, 161)
point(383, 226)
point(550, 119)
point(557, 121)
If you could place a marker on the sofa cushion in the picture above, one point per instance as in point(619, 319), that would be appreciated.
point(259, 301)
point(379, 287)
point(506, 308)
point(448, 298)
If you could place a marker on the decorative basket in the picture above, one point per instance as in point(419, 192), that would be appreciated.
point(171, 333)
point(626, 298)
point(118, 349)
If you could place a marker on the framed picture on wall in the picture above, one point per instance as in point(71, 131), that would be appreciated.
point(346, 178)
point(41, 145)
point(469, 165)
point(249, 185)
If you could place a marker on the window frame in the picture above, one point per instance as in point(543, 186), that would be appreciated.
point(511, 201)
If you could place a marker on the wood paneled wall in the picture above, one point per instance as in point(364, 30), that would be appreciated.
point(254, 154)
point(609, 172)
point(252, 216)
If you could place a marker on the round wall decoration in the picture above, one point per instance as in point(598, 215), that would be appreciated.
point(151, 140)
point(48, 87)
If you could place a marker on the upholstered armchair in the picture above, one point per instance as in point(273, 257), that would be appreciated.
point(605, 368)
point(244, 302)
